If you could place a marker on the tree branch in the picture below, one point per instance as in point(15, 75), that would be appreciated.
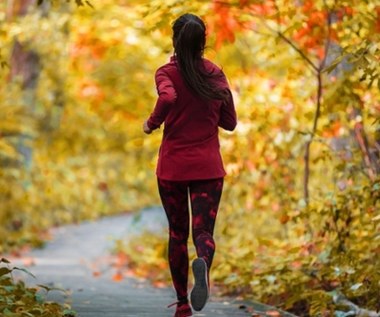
point(308, 143)
point(361, 139)
point(319, 104)
point(297, 49)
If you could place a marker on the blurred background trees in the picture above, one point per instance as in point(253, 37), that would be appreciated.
point(299, 223)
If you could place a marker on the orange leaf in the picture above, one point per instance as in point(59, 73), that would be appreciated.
point(297, 264)
point(117, 277)
point(159, 284)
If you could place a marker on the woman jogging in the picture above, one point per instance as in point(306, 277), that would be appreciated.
point(194, 99)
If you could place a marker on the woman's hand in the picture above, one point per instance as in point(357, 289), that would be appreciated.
point(146, 128)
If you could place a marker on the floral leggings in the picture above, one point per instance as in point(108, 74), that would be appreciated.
point(204, 199)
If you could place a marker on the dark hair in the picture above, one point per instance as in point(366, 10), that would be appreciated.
point(189, 40)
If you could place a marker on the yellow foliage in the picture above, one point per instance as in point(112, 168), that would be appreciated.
point(90, 157)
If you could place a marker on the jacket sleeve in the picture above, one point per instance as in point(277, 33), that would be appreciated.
point(228, 119)
point(167, 96)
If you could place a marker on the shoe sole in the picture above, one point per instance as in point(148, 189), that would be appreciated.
point(199, 293)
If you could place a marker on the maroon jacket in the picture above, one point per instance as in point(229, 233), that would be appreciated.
point(190, 144)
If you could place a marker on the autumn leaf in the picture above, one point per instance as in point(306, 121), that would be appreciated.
point(117, 277)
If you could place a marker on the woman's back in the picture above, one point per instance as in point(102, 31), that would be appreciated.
point(191, 119)
point(194, 99)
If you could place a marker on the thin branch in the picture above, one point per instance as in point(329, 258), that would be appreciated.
point(294, 46)
point(361, 139)
point(280, 34)
point(313, 132)
point(319, 105)
point(299, 51)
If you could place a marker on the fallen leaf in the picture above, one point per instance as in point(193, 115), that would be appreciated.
point(117, 277)
point(159, 284)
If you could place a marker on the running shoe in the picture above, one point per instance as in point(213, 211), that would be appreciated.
point(183, 309)
point(200, 292)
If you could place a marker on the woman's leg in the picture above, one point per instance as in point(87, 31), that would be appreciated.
point(205, 197)
point(174, 197)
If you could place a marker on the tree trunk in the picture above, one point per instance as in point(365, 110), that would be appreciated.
point(370, 158)
point(25, 68)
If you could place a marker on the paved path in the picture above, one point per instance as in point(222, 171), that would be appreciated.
point(70, 259)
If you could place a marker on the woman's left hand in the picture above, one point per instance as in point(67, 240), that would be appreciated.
point(146, 128)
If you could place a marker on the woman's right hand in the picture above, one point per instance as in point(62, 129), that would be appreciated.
point(146, 128)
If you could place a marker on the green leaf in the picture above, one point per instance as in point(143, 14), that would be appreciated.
point(48, 289)
point(24, 270)
point(7, 312)
point(69, 313)
point(333, 65)
point(4, 271)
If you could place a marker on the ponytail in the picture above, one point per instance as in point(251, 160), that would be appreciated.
point(189, 39)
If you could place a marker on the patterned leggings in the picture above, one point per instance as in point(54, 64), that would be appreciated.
point(204, 198)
